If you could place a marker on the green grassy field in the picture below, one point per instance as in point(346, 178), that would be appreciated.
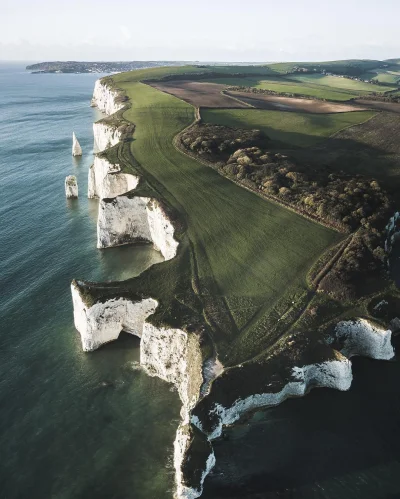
point(334, 82)
point(258, 70)
point(250, 253)
point(352, 66)
point(286, 85)
point(299, 129)
point(390, 76)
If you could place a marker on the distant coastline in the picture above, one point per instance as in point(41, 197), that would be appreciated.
point(96, 66)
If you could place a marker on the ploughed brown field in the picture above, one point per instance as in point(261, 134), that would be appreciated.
point(383, 106)
point(274, 102)
point(203, 94)
point(199, 94)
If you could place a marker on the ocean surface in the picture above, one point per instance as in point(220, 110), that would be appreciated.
point(72, 425)
point(79, 426)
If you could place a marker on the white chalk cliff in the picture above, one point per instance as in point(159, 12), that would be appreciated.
point(71, 187)
point(170, 354)
point(104, 136)
point(105, 180)
point(360, 337)
point(105, 98)
point(330, 374)
point(124, 220)
point(103, 322)
point(76, 147)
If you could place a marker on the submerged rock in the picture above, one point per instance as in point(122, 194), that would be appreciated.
point(71, 186)
point(76, 147)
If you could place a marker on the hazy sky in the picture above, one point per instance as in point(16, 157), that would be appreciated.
point(205, 30)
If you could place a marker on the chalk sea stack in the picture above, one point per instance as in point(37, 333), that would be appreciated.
point(71, 187)
point(76, 147)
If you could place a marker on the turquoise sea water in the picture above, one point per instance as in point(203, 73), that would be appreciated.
point(72, 425)
point(83, 426)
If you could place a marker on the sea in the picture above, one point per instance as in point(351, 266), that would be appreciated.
point(72, 424)
point(77, 425)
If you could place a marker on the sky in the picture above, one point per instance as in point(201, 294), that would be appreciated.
point(202, 30)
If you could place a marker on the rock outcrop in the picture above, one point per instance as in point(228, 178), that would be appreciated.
point(129, 219)
point(360, 337)
point(105, 180)
point(105, 98)
point(71, 187)
point(392, 232)
point(76, 147)
point(103, 322)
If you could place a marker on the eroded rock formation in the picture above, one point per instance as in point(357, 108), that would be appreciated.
point(76, 147)
point(129, 219)
point(71, 187)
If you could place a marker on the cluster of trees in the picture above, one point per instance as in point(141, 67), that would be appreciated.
point(359, 270)
point(218, 142)
point(387, 97)
point(346, 202)
point(264, 91)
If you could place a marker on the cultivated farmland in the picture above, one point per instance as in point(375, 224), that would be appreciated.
point(199, 93)
point(299, 129)
point(336, 82)
point(288, 85)
point(265, 101)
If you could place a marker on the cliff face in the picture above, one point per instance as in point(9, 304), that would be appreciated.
point(105, 98)
point(104, 136)
point(124, 220)
point(103, 322)
point(106, 180)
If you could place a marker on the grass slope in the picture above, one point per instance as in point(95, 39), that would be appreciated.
point(250, 253)
point(299, 129)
